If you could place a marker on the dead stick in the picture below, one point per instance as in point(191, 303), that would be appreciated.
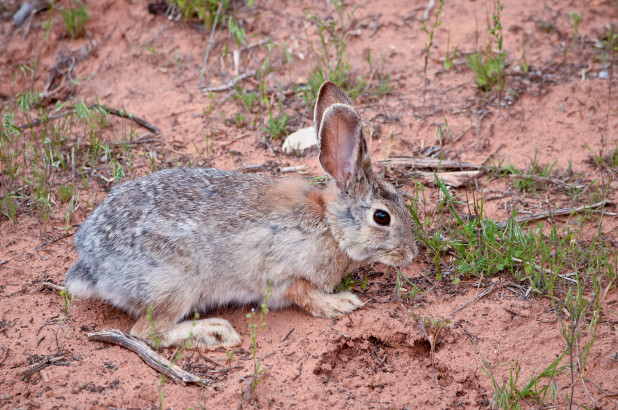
point(133, 118)
point(52, 286)
point(53, 241)
point(557, 212)
point(149, 356)
point(233, 140)
point(36, 122)
point(288, 335)
point(549, 272)
point(41, 365)
point(231, 84)
point(548, 180)
point(476, 298)
point(212, 34)
point(430, 163)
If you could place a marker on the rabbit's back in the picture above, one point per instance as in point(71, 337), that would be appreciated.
point(208, 235)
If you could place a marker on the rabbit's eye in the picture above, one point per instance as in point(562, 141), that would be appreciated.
point(381, 217)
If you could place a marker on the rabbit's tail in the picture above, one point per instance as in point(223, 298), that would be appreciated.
point(79, 280)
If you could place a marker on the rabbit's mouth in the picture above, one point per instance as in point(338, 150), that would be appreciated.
point(397, 257)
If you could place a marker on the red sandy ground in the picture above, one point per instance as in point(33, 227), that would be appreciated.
point(377, 357)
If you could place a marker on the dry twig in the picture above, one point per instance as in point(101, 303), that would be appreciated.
point(430, 163)
point(454, 179)
point(41, 365)
point(484, 293)
point(123, 114)
point(231, 84)
point(149, 356)
point(212, 33)
point(557, 212)
point(554, 181)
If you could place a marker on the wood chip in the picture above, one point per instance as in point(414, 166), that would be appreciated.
point(453, 179)
point(430, 163)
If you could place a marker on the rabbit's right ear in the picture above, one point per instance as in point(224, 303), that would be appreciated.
point(328, 95)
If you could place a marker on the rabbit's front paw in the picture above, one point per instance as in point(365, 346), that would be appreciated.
point(336, 304)
point(319, 303)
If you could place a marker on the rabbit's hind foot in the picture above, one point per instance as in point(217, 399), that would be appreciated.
point(319, 303)
point(205, 334)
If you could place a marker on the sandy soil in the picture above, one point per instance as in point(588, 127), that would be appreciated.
point(378, 356)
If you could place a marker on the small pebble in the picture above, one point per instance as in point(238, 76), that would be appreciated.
point(604, 75)
point(22, 14)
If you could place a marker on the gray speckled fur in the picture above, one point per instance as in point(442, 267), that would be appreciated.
point(206, 231)
point(185, 238)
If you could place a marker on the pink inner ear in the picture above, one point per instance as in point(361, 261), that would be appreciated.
point(328, 95)
point(340, 135)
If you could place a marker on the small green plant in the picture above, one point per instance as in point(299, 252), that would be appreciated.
point(254, 327)
point(8, 206)
point(347, 283)
point(68, 196)
point(576, 18)
point(237, 32)
point(524, 61)
point(210, 138)
point(578, 325)
point(489, 67)
point(542, 177)
point(68, 299)
point(332, 59)
point(486, 68)
point(508, 396)
point(480, 247)
point(117, 170)
point(410, 290)
point(246, 98)
point(609, 50)
point(230, 356)
point(448, 59)
point(75, 17)
point(277, 126)
point(204, 10)
point(239, 120)
point(378, 84)
point(152, 334)
point(430, 33)
point(545, 26)
point(66, 192)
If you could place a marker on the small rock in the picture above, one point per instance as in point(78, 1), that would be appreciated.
point(300, 140)
point(22, 14)
point(604, 75)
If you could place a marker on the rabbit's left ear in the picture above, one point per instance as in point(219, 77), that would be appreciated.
point(328, 95)
point(342, 145)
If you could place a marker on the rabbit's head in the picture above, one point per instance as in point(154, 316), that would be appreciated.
point(369, 218)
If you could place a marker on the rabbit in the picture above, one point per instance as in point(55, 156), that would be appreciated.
point(192, 239)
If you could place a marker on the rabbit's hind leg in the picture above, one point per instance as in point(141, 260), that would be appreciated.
point(319, 303)
point(162, 329)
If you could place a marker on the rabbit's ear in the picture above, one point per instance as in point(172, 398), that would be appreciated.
point(328, 95)
point(342, 145)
